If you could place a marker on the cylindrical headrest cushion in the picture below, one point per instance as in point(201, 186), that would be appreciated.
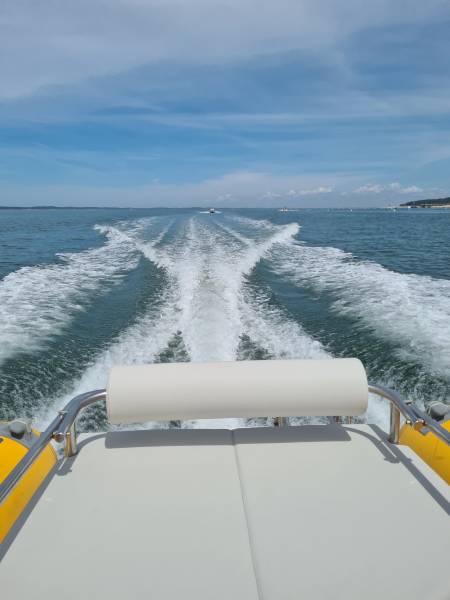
point(161, 392)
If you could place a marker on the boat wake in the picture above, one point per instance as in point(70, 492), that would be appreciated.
point(216, 303)
point(411, 311)
point(37, 303)
point(208, 312)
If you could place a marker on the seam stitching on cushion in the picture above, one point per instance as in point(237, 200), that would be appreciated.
point(247, 523)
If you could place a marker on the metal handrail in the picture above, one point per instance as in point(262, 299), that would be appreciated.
point(63, 428)
point(398, 407)
point(413, 415)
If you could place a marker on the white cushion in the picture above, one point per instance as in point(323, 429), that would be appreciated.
point(236, 389)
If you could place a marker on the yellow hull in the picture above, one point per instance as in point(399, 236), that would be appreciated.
point(430, 449)
point(11, 452)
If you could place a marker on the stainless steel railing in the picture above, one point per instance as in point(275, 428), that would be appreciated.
point(419, 420)
point(63, 428)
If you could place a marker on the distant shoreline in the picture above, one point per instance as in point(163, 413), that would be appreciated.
point(431, 203)
point(414, 205)
point(425, 206)
point(70, 207)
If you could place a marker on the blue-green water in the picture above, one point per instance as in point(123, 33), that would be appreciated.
point(82, 290)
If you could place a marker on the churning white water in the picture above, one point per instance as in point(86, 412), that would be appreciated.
point(208, 310)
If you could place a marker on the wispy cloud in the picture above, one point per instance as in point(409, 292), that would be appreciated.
point(52, 43)
point(321, 189)
point(240, 188)
point(377, 188)
point(288, 101)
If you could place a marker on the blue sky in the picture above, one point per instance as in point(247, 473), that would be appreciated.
point(238, 103)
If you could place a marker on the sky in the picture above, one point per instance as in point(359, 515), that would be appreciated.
point(227, 103)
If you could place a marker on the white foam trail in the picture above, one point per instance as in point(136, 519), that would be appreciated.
point(214, 321)
point(255, 224)
point(208, 268)
point(211, 295)
point(36, 303)
point(406, 309)
point(235, 234)
point(285, 339)
point(279, 335)
point(131, 233)
point(207, 301)
point(138, 344)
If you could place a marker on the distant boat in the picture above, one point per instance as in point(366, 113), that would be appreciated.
point(211, 211)
point(284, 209)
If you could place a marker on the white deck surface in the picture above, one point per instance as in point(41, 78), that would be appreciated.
point(317, 512)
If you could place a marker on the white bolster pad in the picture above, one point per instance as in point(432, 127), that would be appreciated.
point(162, 392)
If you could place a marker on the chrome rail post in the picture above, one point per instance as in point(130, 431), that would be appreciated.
point(394, 425)
point(61, 429)
point(70, 442)
point(397, 406)
point(67, 432)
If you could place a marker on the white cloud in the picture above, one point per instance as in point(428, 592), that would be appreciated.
point(271, 195)
point(239, 188)
point(55, 43)
point(370, 188)
point(234, 189)
point(412, 189)
point(311, 192)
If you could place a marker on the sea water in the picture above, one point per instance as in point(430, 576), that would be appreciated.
point(83, 290)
